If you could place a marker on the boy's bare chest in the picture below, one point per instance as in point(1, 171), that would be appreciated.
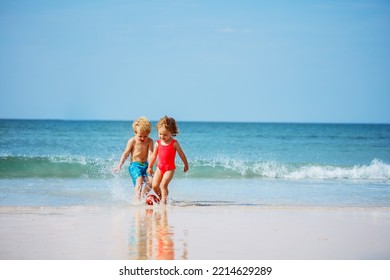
point(140, 148)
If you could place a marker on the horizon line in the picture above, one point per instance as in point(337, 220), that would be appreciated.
point(194, 121)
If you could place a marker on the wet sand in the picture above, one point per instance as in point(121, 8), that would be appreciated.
point(194, 233)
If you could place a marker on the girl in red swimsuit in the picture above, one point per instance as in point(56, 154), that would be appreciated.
point(165, 152)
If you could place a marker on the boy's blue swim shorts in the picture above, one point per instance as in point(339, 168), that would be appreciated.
point(137, 169)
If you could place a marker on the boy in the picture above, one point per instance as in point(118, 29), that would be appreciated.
point(140, 148)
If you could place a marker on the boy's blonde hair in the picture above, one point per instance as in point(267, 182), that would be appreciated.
point(142, 124)
point(169, 124)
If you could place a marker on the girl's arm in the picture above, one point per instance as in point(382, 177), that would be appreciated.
point(182, 156)
point(152, 159)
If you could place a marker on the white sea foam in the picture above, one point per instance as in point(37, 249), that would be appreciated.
point(377, 170)
point(228, 168)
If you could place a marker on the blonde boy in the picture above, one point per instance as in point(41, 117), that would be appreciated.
point(140, 147)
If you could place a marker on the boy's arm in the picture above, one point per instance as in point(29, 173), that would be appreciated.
point(125, 155)
point(152, 159)
point(182, 156)
point(150, 150)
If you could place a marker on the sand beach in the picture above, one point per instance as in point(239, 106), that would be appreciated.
point(194, 233)
point(277, 191)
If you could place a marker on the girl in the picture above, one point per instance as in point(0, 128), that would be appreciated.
point(165, 149)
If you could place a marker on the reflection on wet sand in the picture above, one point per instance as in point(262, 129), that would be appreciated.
point(151, 237)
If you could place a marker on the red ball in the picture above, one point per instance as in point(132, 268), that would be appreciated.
point(151, 199)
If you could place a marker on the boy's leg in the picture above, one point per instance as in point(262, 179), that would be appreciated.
point(166, 179)
point(136, 176)
point(148, 185)
point(138, 188)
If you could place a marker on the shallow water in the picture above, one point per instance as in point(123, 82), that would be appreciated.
point(59, 163)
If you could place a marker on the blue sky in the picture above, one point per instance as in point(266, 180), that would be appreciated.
point(263, 61)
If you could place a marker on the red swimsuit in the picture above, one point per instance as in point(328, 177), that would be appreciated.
point(166, 156)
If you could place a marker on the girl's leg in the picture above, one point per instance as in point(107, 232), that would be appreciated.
point(156, 182)
point(166, 179)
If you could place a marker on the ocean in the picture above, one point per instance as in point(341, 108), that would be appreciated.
point(68, 163)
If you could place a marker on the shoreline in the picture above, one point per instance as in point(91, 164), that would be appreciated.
point(203, 204)
point(194, 233)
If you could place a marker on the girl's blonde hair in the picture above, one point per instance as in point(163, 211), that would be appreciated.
point(169, 124)
point(142, 124)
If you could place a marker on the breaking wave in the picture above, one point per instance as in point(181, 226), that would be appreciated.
point(376, 170)
point(96, 168)
point(52, 167)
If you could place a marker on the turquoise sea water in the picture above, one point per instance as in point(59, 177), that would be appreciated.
point(58, 163)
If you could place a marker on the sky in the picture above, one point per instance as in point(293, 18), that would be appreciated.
point(196, 60)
